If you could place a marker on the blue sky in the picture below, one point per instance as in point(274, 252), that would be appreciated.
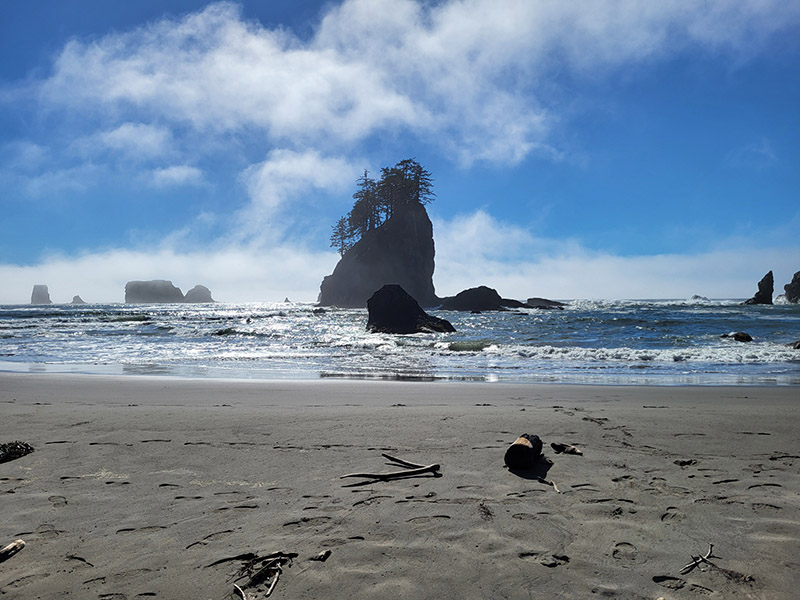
point(586, 149)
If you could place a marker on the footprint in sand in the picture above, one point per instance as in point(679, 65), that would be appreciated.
point(673, 514)
point(626, 552)
point(307, 522)
point(546, 560)
point(58, 500)
point(673, 583)
point(427, 519)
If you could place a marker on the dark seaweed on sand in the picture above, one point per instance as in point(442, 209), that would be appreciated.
point(14, 450)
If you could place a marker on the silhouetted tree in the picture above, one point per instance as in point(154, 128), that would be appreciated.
point(341, 238)
point(404, 184)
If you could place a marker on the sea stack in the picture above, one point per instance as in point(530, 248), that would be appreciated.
point(792, 289)
point(198, 294)
point(152, 292)
point(40, 295)
point(400, 251)
point(77, 300)
point(765, 289)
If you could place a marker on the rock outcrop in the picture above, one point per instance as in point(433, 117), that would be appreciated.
point(393, 310)
point(77, 300)
point(483, 298)
point(792, 289)
point(155, 291)
point(40, 295)
point(765, 289)
point(400, 251)
point(739, 336)
point(198, 294)
point(545, 304)
point(475, 299)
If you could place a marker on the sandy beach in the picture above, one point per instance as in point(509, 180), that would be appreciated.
point(165, 488)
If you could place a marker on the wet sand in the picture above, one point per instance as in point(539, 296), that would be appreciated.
point(164, 488)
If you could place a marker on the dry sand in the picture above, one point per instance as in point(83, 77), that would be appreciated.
point(151, 488)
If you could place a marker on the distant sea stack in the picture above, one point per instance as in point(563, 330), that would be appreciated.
point(793, 289)
point(152, 292)
point(198, 294)
point(77, 300)
point(400, 251)
point(765, 289)
point(40, 295)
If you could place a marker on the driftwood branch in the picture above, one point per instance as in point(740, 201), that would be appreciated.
point(11, 549)
point(401, 462)
point(396, 474)
point(410, 470)
point(697, 560)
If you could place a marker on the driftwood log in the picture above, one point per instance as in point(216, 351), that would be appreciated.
point(524, 453)
point(11, 549)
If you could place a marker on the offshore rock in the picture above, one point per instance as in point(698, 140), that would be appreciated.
point(156, 291)
point(475, 299)
point(198, 294)
point(739, 336)
point(77, 300)
point(40, 295)
point(545, 304)
point(765, 288)
point(400, 251)
point(393, 310)
point(793, 289)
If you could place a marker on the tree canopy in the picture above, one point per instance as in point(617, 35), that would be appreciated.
point(404, 184)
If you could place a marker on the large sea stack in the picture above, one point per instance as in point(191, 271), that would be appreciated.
point(398, 252)
point(40, 295)
point(198, 294)
point(765, 289)
point(793, 289)
point(156, 291)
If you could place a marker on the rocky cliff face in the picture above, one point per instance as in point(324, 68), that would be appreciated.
point(398, 252)
point(793, 289)
point(766, 287)
point(155, 291)
point(40, 295)
point(199, 294)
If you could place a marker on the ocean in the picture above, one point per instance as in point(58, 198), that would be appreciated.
point(664, 342)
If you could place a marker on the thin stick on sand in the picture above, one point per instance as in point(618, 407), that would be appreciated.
point(411, 470)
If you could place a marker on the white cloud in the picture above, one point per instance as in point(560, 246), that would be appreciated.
point(471, 76)
point(176, 175)
point(286, 175)
point(476, 250)
point(137, 140)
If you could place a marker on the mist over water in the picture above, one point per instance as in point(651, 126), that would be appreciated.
point(613, 342)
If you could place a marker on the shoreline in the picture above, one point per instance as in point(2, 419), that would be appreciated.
point(139, 486)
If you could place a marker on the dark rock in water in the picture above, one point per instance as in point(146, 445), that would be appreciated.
point(198, 293)
point(319, 311)
point(765, 289)
point(40, 295)
point(151, 292)
point(796, 345)
point(14, 450)
point(739, 336)
point(393, 310)
point(524, 453)
point(77, 300)
point(398, 252)
point(545, 303)
point(475, 300)
point(793, 289)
